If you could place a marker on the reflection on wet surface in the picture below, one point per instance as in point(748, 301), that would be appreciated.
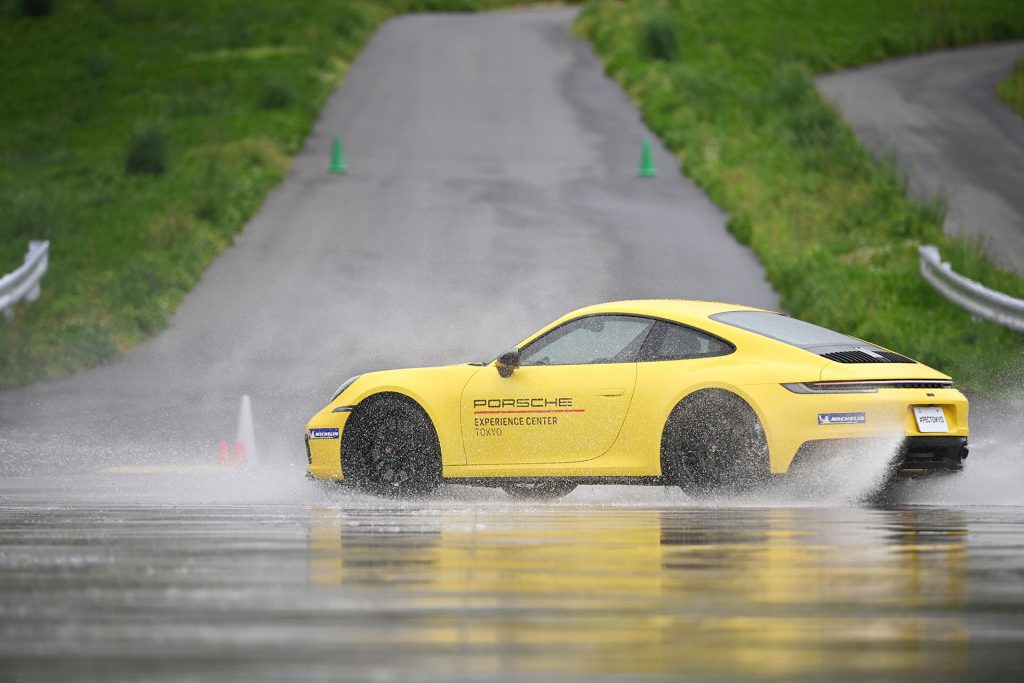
point(468, 591)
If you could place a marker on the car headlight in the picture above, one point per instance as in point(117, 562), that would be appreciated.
point(345, 385)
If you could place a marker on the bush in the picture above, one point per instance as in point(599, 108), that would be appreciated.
point(441, 6)
point(214, 189)
point(659, 37)
point(35, 8)
point(276, 95)
point(147, 151)
point(740, 227)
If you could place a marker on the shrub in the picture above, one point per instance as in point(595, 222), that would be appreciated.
point(213, 188)
point(275, 95)
point(147, 151)
point(35, 8)
point(740, 227)
point(441, 6)
point(659, 37)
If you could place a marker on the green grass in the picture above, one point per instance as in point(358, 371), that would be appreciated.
point(1011, 88)
point(834, 228)
point(138, 136)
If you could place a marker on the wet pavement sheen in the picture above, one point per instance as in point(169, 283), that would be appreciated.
point(469, 587)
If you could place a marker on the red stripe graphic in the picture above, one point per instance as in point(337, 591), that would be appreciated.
point(511, 412)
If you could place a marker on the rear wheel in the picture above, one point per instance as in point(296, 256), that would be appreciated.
point(543, 490)
point(714, 444)
point(394, 449)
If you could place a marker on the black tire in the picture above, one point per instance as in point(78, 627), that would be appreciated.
point(713, 444)
point(393, 449)
point(541, 490)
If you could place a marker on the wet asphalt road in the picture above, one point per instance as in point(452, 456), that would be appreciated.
point(287, 582)
point(939, 118)
point(492, 188)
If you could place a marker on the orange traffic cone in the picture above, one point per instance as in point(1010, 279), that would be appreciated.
point(223, 453)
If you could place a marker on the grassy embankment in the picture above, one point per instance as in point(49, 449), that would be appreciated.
point(138, 136)
point(1011, 88)
point(728, 87)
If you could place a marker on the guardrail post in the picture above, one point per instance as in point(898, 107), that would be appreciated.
point(37, 288)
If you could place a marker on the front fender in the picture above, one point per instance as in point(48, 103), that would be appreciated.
point(436, 390)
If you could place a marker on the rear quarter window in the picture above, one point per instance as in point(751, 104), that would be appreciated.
point(668, 341)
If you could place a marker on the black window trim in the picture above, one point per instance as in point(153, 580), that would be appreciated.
point(652, 318)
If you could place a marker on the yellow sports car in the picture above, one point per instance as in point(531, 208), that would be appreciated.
point(712, 397)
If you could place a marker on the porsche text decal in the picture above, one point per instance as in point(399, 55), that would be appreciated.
point(521, 412)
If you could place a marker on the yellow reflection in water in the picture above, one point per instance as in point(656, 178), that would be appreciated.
point(775, 592)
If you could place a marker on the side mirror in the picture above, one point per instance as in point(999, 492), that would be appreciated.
point(507, 362)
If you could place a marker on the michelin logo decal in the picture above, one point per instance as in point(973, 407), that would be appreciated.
point(323, 433)
point(841, 419)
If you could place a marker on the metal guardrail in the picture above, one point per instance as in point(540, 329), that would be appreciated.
point(24, 282)
point(967, 294)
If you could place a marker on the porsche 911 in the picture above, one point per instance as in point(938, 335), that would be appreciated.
point(712, 397)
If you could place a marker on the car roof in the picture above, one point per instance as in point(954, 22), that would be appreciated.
point(681, 310)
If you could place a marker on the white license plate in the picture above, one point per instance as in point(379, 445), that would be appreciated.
point(930, 420)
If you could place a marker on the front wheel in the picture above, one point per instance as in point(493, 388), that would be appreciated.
point(713, 444)
point(396, 452)
point(543, 490)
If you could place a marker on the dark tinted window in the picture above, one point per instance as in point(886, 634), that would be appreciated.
point(593, 339)
point(677, 342)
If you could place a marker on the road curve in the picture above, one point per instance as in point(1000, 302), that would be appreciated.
point(939, 117)
point(492, 188)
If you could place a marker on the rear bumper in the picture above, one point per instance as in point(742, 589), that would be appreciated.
point(924, 454)
point(915, 455)
point(793, 422)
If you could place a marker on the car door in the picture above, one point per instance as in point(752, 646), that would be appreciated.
point(564, 403)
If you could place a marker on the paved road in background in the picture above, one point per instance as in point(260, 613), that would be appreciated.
point(938, 115)
point(492, 188)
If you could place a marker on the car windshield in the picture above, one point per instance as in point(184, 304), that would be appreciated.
point(785, 329)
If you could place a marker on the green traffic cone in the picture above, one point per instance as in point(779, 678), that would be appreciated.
point(337, 157)
point(647, 169)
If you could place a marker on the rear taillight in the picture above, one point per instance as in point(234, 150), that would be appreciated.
point(864, 386)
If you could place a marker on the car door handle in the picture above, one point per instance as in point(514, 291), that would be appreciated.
point(611, 393)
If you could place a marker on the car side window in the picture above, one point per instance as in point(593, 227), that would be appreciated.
point(588, 340)
point(668, 341)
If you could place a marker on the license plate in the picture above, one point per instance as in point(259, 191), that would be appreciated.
point(930, 420)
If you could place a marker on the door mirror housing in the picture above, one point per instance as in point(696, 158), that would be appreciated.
point(507, 362)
